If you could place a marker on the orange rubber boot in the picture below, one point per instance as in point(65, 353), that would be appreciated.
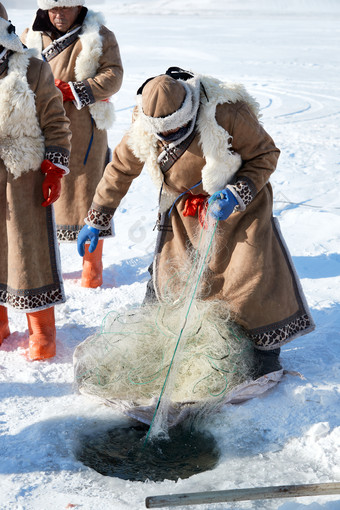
point(92, 275)
point(4, 328)
point(41, 327)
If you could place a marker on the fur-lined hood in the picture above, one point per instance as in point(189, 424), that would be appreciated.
point(221, 162)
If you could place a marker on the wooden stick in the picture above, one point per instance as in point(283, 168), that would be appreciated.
point(274, 492)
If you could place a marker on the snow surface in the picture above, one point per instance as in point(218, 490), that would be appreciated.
point(287, 55)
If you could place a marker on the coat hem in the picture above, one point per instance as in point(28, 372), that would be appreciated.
point(46, 296)
point(276, 337)
point(31, 300)
point(271, 336)
point(301, 323)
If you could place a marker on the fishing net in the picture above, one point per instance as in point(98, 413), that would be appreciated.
point(161, 357)
point(130, 356)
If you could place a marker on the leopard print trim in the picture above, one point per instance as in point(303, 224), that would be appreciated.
point(99, 219)
point(244, 191)
point(58, 156)
point(84, 93)
point(70, 234)
point(276, 337)
point(42, 299)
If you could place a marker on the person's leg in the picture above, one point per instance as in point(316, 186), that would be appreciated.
point(4, 327)
point(92, 275)
point(42, 331)
point(266, 362)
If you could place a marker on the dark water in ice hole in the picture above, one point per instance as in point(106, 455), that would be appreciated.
point(124, 453)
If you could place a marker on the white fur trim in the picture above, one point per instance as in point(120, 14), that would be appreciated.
point(221, 163)
point(65, 168)
point(181, 116)
point(76, 100)
point(22, 145)
point(87, 64)
point(103, 113)
point(45, 5)
point(34, 40)
point(88, 59)
point(226, 92)
point(144, 146)
point(9, 41)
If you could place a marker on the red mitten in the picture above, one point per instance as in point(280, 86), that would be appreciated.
point(196, 203)
point(65, 89)
point(52, 183)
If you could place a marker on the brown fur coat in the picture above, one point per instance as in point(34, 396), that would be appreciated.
point(251, 269)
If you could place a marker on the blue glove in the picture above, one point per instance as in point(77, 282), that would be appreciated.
point(221, 204)
point(87, 233)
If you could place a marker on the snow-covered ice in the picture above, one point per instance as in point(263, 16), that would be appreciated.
point(287, 55)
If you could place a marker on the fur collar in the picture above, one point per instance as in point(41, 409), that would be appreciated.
point(22, 144)
point(87, 62)
point(221, 163)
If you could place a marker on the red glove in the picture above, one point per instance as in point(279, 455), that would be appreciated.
point(52, 183)
point(196, 203)
point(65, 89)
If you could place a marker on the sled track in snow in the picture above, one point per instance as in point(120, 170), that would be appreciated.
point(287, 105)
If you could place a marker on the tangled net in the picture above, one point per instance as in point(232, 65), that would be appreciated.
point(188, 343)
point(130, 356)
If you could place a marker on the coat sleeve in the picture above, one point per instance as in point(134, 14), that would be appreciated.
point(114, 185)
point(51, 114)
point(108, 78)
point(257, 149)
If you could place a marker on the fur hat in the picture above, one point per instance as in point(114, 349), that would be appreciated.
point(8, 37)
point(166, 103)
point(46, 5)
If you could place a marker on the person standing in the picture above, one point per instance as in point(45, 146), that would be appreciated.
point(34, 155)
point(203, 145)
point(85, 60)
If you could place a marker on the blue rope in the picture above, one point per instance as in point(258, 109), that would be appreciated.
point(181, 195)
point(127, 108)
point(90, 143)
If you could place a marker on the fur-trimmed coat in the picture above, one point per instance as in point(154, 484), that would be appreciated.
point(93, 64)
point(250, 268)
point(33, 126)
